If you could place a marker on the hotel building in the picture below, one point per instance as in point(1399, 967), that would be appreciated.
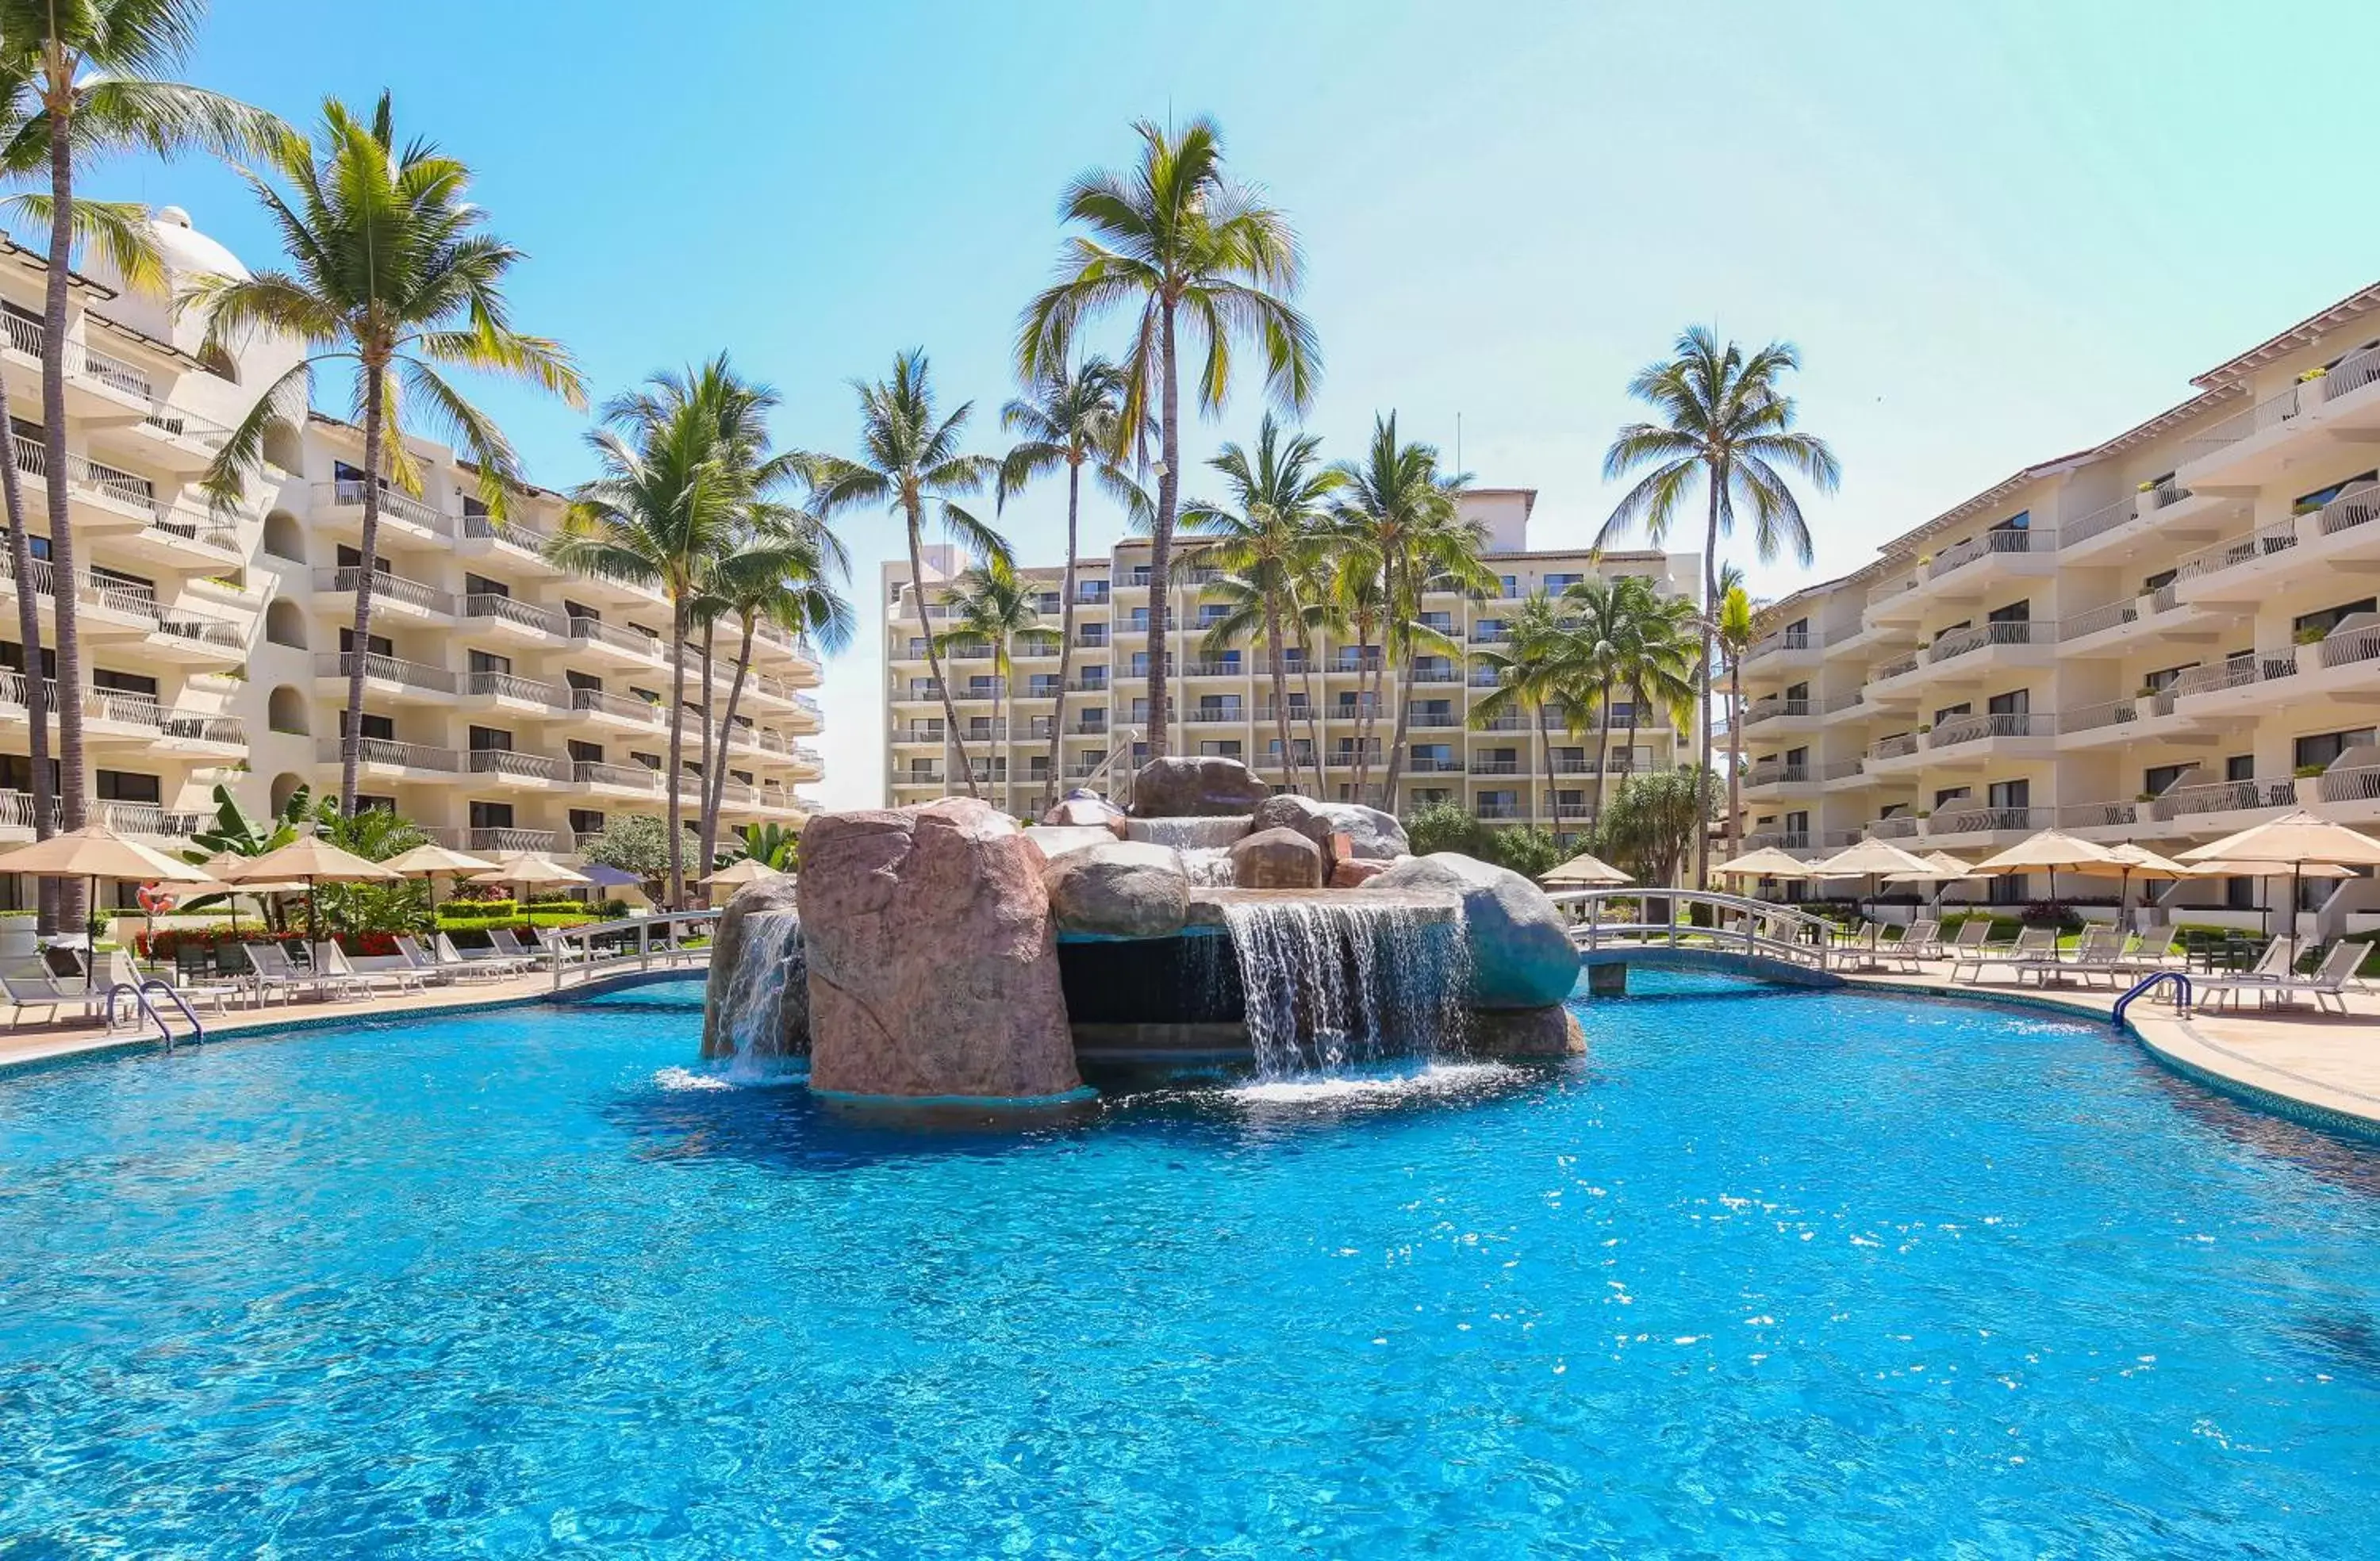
point(508, 706)
point(1223, 704)
point(2164, 638)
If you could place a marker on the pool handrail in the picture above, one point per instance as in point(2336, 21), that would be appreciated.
point(139, 995)
point(2141, 987)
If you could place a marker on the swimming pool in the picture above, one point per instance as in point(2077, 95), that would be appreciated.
point(1765, 1275)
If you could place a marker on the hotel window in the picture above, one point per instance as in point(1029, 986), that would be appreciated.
point(2021, 521)
point(2240, 766)
point(2318, 623)
point(479, 585)
point(1092, 637)
point(1950, 795)
point(2325, 748)
point(117, 785)
point(1563, 582)
point(2160, 580)
point(2014, 612)
point(2160, 778)
point(2159, 681)
point(2306, 503)
point(2016, 703)
point(489, 661)
point(2010, 793)
point(1228, 747)
point(583, 752)
point(380, 729)
point(585, 821)
point(375, 645)
point(489, 739)
point(491, 816)
point(1090, 590)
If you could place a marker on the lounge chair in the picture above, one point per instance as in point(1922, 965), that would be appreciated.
point(2273, 980)
point(421, 964)
point(2157, 950)
point(273, 969)
point(43, 991)
point(1970, 936)
point(2035, 946)
point(2100, 952)
point(456, 960)
point(197, 994)
point(1921, 939)
point(333, 962)
point(442, 963)
point(507, 942)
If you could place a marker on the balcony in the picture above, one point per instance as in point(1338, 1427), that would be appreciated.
point(615, 709)
point(2222, 683)
point(2194, 802)
point(507, 691)
point(1783, 642)
point(1986, 821)
point(1838, 704)
point(513, 539)
point(1431, 764)
point(517, 843)
point(1773, 772)
point(633, 778)
point(1775, 708)
point(1498, 810)
point(2110, 720)
point(1235, 715)
point(926, 776)
point(1498, 767)
point(2246, 448)
point(402, 598)
point(534, 771)
point(402, 760)
point(182, 537)
point(2223, 572)
point(609, 642)
point(1900, 826)
point(511, 618)
point(106, 499)
point(1213, 669)
point(196, 637)
point(401, 515)
point(1991, 637)
point(1900, 666)
point(1990, 727)
point(413, 681)
point(1900, 746)
point(1839, 770)
point(1955, 570)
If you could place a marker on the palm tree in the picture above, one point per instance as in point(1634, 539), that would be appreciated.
point(784, 571)
point(1268, 550)
point(989, 606)
point(910, 460)
point(673, 497)
point(1071, 419)
point(1655, 655)
point(1194, 254)
point(1401, 524)
point(392, 275)
point(96, 72)
point(1726, 420)
point(1738, 624)
point(1531, 667)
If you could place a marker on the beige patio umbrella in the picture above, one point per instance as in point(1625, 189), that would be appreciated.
point(531, 872)
point(2298, 840)
point(744, 870)
point(430, 861)
point(221, 863)
point(2141, 861)
point(94, 853)
point(1582, 871)
point(1768, 862)
point(1868, 858)
point(1944, 870)
point(2048, 851)
point(312, 860)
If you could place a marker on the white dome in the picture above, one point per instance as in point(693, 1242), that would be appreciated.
point(189, 253)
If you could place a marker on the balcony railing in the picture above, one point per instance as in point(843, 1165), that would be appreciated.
point(507, 686)
point(2263, 543)
point(509, 609)
point(384, 668)
point(1894, 748)
point(1498, 810)
point(387, 751)
point(1895, 667)
point(1772, 707)
point(595, 700)
point(1967, 641)
point(2012, 540)
point(1839, 702)
point(2226, 796)
point(387, 587)
point(2360, 784)
point(2098, 618)
point(2106, 518)
point(1783, 639)
point(2345, 650)
point(1212, 669)
point(1767, 773)
point(924, 777)
point(193, 727)
point(2239, 672)
point(1900, 826)
point(348, 493)
point(1496, 767)
point(634, 777)
point(2354, 507)
point(1212, 714)
point(2112, 712)
point(1977, 820)
point(2101, 814)
point(539, 842)
point(1843, 770)
point(1975, 728)
point(2269, 412)
point(506, 761)
point(595, 631)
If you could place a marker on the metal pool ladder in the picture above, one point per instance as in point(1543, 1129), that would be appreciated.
point(140, 995)
point(2143, 986)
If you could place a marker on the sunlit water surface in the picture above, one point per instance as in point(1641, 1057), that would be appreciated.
point(1767, 1275)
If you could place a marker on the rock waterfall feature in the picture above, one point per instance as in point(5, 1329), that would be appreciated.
point(1327, 982)
point(757, 1003)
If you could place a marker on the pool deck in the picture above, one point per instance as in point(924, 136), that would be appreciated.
point(2327, 1063)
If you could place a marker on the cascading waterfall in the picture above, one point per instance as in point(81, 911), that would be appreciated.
point(1332, 981)
point(751, 1003)
point(1205, 843)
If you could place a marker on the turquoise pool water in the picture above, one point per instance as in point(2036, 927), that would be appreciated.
point(1767, 1277)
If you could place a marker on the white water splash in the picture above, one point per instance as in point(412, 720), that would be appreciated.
point(1438, 1078)
point(1340, 979)
point(1190, 833)
point(751, 1001)
point(676, 1080)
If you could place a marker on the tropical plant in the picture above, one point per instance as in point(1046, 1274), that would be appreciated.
point(1532, 668)
point(989, 606)
point(392, 275)
point(1739, 624)
point(1445, 826)
point(675, 494)
point(910, 461)
point(772, 846)
point(1070, 419)
point(1623, 634)
point(87, 80)
point(1725, 421)
point(1270, 546)
point(1399, 528)
point(1528, 850)
point(375, 834)
point(639, 843)
point(1654, 821)
point(232, 831)
point(1196, 255)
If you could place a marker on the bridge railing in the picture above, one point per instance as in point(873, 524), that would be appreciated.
point(593, 949)
point(1736, 924)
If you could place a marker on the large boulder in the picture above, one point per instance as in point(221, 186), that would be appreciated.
point(1057, 839)
point(1123, 888)
point(1520, 955)
point(1277, 859)
point(757, 998)
point(933, 968)
point(1371, 835)
point(1355, 872)
point(1195, 786)
point(1089, 813)
point(1534, 1032)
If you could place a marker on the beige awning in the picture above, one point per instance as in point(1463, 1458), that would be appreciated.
point(311, 858)
point(2297, 838)
point(1766, 862)
point(1582, 871)
point(94, 851)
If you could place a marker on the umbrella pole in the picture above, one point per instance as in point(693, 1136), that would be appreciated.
point(2294, 869)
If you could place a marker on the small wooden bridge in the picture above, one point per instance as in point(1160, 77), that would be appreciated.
point(600, 957)
point(1696, 929)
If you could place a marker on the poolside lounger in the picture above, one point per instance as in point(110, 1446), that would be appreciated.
point(2160, 950)
point(198, 994)
point(2035, 946)
point(43, 991)
point(333, 962)
point(274, 968)
point(2327, 983)
point(1921, 940)
point(1970, 936)
point(2099, 953)
point(456, 959)
point(437, 966)
point(509, 942)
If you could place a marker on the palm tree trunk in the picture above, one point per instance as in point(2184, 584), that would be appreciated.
point(715, 786)
point(1602, 750)
point(1734, 754)
point(714, 759)
point(351, 740)
point(1703, 674)
point(1545, 767)
point(1397, 731)
point(934, 659)
point(672, 813)
point(73, 783)
point(28, 636)
point(1065, 622)
point(1161, 547)
point(1314, 734)
point(1273, 649)
point(1004, 666)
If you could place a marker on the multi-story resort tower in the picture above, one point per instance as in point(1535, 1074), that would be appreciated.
point(1223, 704)
point(2164, 638)
point(509, 705)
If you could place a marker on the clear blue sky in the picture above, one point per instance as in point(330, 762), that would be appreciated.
point(1996, 235)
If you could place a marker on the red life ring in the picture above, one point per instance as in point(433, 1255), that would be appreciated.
point(156, 901)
